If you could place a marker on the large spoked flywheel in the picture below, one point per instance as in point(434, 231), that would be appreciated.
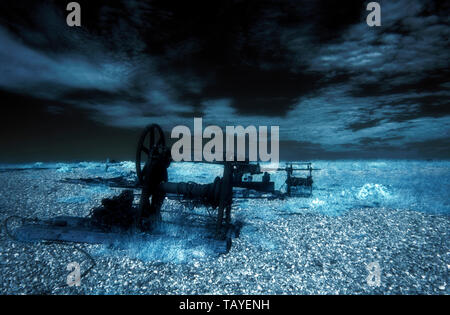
point(151, 140)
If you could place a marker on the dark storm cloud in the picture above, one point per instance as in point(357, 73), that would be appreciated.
point(313, 67)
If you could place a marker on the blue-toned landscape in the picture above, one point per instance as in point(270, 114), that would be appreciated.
point(358, 88)
point(393, 213)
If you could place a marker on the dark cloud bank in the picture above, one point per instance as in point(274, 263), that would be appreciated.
point(336, 87)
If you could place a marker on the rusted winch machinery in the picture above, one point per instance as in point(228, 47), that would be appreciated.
point(217, 195)
point(155, 186)
point(118, 216)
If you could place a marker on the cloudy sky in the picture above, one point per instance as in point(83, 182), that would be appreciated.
point(336, 87)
